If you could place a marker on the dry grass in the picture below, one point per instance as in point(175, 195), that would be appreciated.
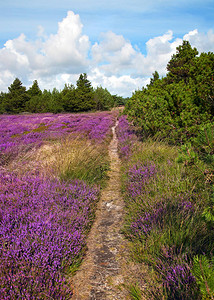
point(74, 159)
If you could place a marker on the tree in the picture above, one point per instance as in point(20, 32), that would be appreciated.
point(154, 78)
point(2, 104)
point(69, 98)
point(34, 90)
point(174, 108)
point(67, 88)
point(119, 100)
point(55, 102)
point(103, 99)
point(34, 103)
point(180, 65)
point(203, 80)
point(84, 94)
point(17, 97)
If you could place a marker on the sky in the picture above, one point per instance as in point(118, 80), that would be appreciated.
point(117, 43)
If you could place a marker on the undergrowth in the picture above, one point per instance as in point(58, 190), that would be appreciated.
point(169, 216)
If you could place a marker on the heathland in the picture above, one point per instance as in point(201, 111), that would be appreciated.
point(150, 195)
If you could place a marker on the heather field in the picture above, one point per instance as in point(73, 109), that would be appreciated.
point(51, 171)
point(115, 204)
point(20, 133)
point(169, 217)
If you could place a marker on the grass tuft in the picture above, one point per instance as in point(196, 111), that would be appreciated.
point(135, 292)
point(79, 159)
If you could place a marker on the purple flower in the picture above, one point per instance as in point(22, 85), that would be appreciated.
point(43, 225)
point(126, 137)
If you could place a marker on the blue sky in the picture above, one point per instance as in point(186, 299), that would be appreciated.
point(117, 43)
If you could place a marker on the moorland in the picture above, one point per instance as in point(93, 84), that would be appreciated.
point(55, 163)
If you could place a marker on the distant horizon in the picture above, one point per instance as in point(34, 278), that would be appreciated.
point(118, 45)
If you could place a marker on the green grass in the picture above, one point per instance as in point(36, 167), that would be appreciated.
point(135, 292)
point(183, 233)
point(79, 159)
point(72, 159)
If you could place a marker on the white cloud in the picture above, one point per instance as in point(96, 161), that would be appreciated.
point(114, 54)
point(124, 68)
point(6, 78)
point(114, 63)
point(68, 48)
point(41, 32)
point(122, 85)
point(66, 51)
point(12, 57)
point(159, 52)
point(202, 41)
point(58, 81)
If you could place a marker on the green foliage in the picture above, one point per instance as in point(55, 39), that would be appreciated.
point(208, 213)
point(103, 99)
point(135, 292)
point(187, 155)
point(2, 108)
point(155, 77)
point(175, 108)
point(84, 96)
point(119, 100)
point(55, 102)
point(204, 143)
point(34, 90)
point(34, 105)
point(39, 103)
point(203, 270)
point(150, 110)
point(202, 76)
point(70, 99)
point(179, 66)
point(15, 100)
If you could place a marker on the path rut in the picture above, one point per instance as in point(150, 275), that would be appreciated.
point(100, 275)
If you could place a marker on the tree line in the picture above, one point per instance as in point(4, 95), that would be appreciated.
point(176, 107)
point(83, 97)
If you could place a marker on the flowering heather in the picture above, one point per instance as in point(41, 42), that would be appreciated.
point(168, 222)
point(126, 137)
point(177, 279)
point(164, 221)
point(138, 177)
point(156, 217)
point(145, 222)
point(20, 133)
point(44, 221)
point(43, 225)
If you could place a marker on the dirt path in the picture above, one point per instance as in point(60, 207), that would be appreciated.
point(101, 274)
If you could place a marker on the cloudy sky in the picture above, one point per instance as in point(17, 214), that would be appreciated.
point(118, 43)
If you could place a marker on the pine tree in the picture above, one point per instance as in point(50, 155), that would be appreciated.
point(103, 99)
point(34, 90)
point(84, 94)
point(16, 98)
point(179, 67)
